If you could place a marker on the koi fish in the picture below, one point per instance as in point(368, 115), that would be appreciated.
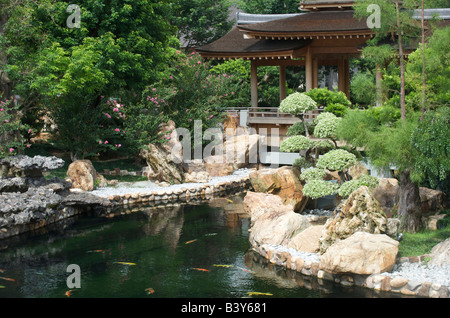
point(259, 294)
point(201, 269)
point(8, 279)
point(149, 291)
point(68, 293)
point(219, 265)
point(124, 263)
point(211, 234)
point(95, 251)
point(192, 241)
point(2, 270)
point(246, 270)
point(229, 201)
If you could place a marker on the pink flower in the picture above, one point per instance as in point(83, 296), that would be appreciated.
point(199, 62)
point(116, 109)
point(29, 131)
point(117, 129)
point(1, 109)
point(106, 142)
point(108, 115)
point(28, 145)
point(100, 142)
point(11, 149)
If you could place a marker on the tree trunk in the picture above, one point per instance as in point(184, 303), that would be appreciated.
point(409, 206)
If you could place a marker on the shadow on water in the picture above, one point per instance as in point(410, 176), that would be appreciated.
point(191, 251)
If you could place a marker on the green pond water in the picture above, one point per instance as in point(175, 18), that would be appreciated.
point(173, 251)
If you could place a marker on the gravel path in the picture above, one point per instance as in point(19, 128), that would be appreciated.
point(147, 186)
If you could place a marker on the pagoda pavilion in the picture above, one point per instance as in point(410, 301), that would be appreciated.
point(324, 33)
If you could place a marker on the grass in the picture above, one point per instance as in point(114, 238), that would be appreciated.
point(415, 244)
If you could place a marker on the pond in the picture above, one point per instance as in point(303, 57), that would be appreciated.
point(191, 251)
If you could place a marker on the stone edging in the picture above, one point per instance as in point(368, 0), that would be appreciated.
point(184, 194)
point(380, 282)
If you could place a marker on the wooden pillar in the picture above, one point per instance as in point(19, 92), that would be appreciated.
point(309, 70)
point(254, 83)
point(315, 74)
point(282, 82)
point(344, 75)
point(379, 78)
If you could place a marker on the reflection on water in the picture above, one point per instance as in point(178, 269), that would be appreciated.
point(175, 251)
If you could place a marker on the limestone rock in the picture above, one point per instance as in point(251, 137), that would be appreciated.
point(307, 240)
point(173, 146)
point(357, 170)
point(387, 193)
point(217, 166)
point(432, 200)
point(197, 177)
point(361, 253)
point(160, 165)
point(361, 212)
point(24, 166)
point(272, 221)
point(284, 182)
point(440, 254)
point(83, 175)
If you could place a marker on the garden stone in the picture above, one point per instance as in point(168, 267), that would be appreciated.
point(387, 194)
point(24, 166)
point(272, 221)
point(197, 177)
point(307, 240)
point(432, 200)
point(362, 253)
point(160, 165)
point(83, 175)
point(440, 254)
point(361, 212)
point(284, 182)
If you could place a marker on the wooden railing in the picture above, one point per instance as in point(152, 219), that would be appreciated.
point(270, 115)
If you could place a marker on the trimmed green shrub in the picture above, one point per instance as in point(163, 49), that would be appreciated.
point(336, 160)
point(295, 144)
point(315, 189)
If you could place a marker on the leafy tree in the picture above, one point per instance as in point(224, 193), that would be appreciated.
point(269, 6)
point(298, 104)
point(202, 21)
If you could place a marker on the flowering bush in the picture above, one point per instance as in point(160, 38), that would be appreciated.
point(296, 144)
point(349, 186)
point(336, 160)
point(297, 104)
point(315, 188)
point(10, 130)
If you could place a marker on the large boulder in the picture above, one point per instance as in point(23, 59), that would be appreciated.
point(387, 194)
point(24, 166)
point(433, 201)
point(361, 212)
point(82, 174)
point(161, 167)
point(272, 222)
point(307, 240)
point(218, 166)
point(284, 182)
point(362, 253)
point(440, 254)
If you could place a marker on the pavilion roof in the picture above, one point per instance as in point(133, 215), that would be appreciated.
point(313, 24)
point(325, 4)
point(234, 45)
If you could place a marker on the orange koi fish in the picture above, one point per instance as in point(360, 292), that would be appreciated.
point(201, 269)
point(8, 279)
point(68, 293)
point(149, 291)
point(192, 241)
point(246, 270)
point(95, 251)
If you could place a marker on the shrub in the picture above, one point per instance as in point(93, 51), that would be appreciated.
point(302, 163)
point(296, 144)
point(349, 186)
point(296, 129)
point(326, 124)
point(325, 97)
point(312, 174)
point(337, 109)
point(297, 104)
point(10, 128)
point(336, 160)
point(315, 189)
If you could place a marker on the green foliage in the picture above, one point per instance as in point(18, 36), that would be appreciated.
point(268, 6)
point(349, 186)
point(302, 163)
point(297, 104)
point(363, 89)
point(326, 125)
point(202, 21)
point(336, 109)
point(11, 128)
point(296, 129)
point(325, 97)
point(315, 189)
point(336, 160)
point(295, 144)
point(431, 141)
point(312, 174)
